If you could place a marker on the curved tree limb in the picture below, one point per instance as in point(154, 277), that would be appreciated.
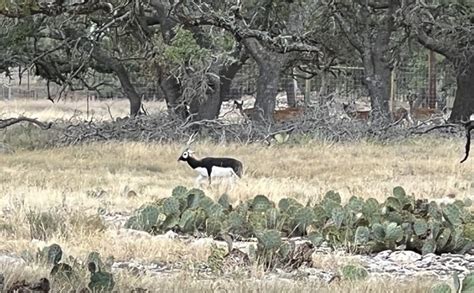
point(468, 126)
point(4, 123)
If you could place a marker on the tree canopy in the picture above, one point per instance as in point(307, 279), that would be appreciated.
point(194, 49)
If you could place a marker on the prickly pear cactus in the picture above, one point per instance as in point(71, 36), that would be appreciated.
point(316, 238)
point(62, 270)
point(100, 281)
point(94, 257)
point(354, 273)
point(171, 222)
point(171, 206)
point(269, 239)
point(428, 247)
point(285, 203)
point(224, 201)
point(420, 227)
point(52, 254)
point(468, 284)
point(400, 221)
point(452, 214)
point(179, 191)
point(187, 221)
point(273, 215)
point(331, 201)
point(355, 204)
point(362, 235)
point(302, 218)
point(441, 288)
point(257, 220)
point(214, 226)
point(144, 219)
point(372, 211)
point(337, 216)
point(393, 204)
point(261, 204)
point(393, 232)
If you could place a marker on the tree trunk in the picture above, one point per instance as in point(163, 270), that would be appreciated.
point(378, 85)
point(227, 74)
point(209, 109)
point(122, 74)
point(128, 89)
point(463, 106)
point(290, 87)
point(267, 90)
point(172, 92)
point(270, 65)
point(377, 72)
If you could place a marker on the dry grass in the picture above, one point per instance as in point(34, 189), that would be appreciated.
point(45, 110)
point(59, 183)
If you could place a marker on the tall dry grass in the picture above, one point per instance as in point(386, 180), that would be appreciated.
point(82, 109)
point(56, 195)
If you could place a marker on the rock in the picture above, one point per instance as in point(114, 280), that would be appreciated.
point(403, 257)
point(6, 261)
point(170, 235)
point(384, 254)
point(126, 233)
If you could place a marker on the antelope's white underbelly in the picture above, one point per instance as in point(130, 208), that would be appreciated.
point(216, 171)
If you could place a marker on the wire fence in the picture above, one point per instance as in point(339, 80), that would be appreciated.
point(345, 83)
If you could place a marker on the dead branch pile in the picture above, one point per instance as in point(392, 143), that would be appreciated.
point(163, 128)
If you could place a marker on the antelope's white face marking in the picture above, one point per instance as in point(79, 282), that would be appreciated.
point(185, 155)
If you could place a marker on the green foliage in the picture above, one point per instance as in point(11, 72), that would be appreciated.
point(269, 239)
point(184, 48)
point(468, 283)
point(354, 273)
point(367, 225)
point(441, 288)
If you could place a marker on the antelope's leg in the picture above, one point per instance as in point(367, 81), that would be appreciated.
point(198, 180)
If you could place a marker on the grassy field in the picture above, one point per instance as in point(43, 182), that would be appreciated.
point(70, 184)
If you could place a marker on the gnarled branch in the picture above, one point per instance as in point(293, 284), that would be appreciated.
point(4, 123)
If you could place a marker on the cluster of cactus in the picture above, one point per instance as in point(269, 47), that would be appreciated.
point(401, 222)
point(100, 280)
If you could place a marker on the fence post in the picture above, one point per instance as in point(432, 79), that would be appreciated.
point(307, 89)
point(431, 80)
point(393, 88)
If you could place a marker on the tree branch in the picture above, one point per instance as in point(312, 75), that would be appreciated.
point(4, 123)
point(469, 126)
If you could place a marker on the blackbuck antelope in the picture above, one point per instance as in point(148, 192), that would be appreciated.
point(287, 114)
point(212, 167)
